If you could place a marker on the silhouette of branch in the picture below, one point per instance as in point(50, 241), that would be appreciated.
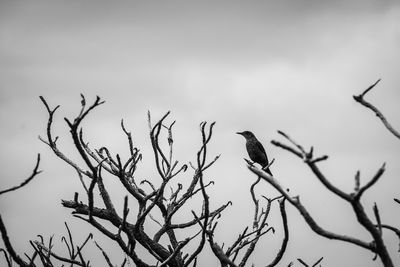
point(285, 240)
point(377, 246)
point(314, 265)
point(121, 229)
point(45, 254)
point(246, 239)
point(318, 262)
point(106, 257)
point(34, 173)
point(360, 99)
point(151, 196)
point(295, 201)
point(7, 257)
point(201, 163)
point(13, 256)
point(8, 245)
point(393, 229)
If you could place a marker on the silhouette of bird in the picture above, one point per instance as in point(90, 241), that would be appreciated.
point(255, 150)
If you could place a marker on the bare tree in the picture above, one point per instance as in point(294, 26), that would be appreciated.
point(373, 226)
point(165, 197)
point(152, 197)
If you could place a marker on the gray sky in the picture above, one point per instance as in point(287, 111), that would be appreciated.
point(260, 66)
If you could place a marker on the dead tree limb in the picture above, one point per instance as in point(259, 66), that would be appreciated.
point(247, 240)
point(376, 245)
point(30, 178)
point(285, 240)
point(10, 249)
point(13, 255)
point(360, 99)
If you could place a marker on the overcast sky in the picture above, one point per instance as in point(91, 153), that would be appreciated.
point(261, 66)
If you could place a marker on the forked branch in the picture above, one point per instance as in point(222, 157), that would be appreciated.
point(360, 99)
point(377, 245)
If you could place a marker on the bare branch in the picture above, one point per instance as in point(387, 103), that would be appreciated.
point(34, 173)
point(311, 162)
point(8, 258)
point(321, 177)
point(125, 214)
point(285, 240)
point(299, 147)
point(255, 201)
point(314, 265)
point(302, 262)
point(175, 252)
point(357, 182)
point(369, 88)
point(52, 142)
point(288, 148)
point(377, 246)
point(371, 182)
point(360, 99)
point(378, 218)
point(103, 192)
point(46, 253)
point(201, 162)
point(322, 158)
point(318, 262)
point(8, 245)
point(393, 229)
point(295, 201)
point(104, 254)
point(70, 247)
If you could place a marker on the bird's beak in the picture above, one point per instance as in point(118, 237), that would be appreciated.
point(240, 133)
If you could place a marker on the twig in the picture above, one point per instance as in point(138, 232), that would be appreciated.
point(34, 173)
point(295, 201)
point(175, 252)
point(8, 258)
point(8, 245)
point(360, 99)
point(377, 246)
point(393, 229)
point(318, 262)
point(104, 254)
point(285, 240)
point(371, 182)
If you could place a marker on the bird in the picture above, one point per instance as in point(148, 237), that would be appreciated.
point(256, 150)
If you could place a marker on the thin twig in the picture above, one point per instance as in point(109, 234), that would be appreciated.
point(285, 240)
point(34, 173)
point(360, 99)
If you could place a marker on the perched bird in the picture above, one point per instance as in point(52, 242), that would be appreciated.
point(255, 150)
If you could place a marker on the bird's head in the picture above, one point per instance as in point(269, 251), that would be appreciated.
point(246, 134)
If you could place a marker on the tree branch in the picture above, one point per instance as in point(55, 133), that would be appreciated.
point(360, 99)
point(285, 240)
point(34, 173)
point(8, 245)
